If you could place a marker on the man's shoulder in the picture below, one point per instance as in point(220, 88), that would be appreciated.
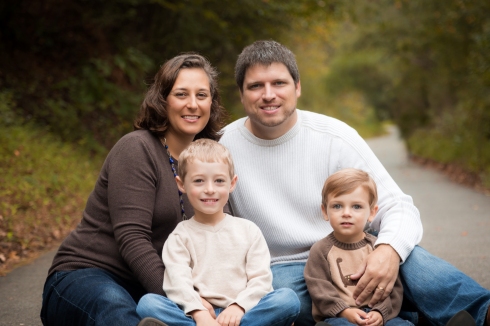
point(231, 128)
point(323, 123)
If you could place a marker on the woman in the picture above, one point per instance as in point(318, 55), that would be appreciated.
point(113, 257)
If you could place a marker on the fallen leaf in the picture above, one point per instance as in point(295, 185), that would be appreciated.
point(2, 258)
point(13, 255)
point(16, 153)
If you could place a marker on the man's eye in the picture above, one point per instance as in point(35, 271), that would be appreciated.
point(279, 83)
point(254, 86)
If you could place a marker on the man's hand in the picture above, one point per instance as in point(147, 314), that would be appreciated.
point(378, 275)
point(374, 318)
point(231, 316)
point(354, 316)
point(209, 307)
point(203, 318)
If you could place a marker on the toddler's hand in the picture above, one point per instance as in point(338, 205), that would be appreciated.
point(354, 316)
point(231, 316)
point(374, 318)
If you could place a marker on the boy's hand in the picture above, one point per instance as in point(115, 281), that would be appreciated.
point(203, 318)
point(209, 307)
point(374, 318)
point(378, 275)
point(231, 316)
point(354, 316)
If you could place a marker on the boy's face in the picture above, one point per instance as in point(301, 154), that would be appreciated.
point(208, 186)
point(348, 214)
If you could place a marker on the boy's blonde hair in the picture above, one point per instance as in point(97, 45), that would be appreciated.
point(346, 181)
point(205, 150)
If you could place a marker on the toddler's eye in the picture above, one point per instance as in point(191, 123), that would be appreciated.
point(357, 206)
point(336, 206)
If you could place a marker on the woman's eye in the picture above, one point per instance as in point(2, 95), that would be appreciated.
point(179, 94)
point(202, 95)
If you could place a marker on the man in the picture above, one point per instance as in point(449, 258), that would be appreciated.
point(283, 155)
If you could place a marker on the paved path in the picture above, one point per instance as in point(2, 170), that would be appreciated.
point(456, 228)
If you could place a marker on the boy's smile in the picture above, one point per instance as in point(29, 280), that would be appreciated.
point(348, 214)
point(208, 186)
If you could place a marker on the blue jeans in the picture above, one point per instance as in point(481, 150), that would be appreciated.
point(434, 287)
point(280, 307)
point(340, 321)
point(89, 296)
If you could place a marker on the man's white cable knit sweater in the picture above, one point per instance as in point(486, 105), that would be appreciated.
point(280, 184)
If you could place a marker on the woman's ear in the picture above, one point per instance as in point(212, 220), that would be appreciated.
point(180, 184)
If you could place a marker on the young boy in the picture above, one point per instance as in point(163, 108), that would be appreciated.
point(217, 267)
point(349, 199)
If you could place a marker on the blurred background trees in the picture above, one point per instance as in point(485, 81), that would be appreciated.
point(73, 73)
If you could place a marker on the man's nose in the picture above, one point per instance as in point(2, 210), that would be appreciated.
point(269, 93)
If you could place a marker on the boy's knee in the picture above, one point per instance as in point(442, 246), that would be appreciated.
point(288, 299)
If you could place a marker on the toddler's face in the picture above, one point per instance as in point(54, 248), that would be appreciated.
point(348, 214)
point(208, 186)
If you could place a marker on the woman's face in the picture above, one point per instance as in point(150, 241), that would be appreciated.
point(189, 103)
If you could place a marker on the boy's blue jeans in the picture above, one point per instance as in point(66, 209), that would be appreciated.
point(278, 308)
point(434, 287)
point(339, 321)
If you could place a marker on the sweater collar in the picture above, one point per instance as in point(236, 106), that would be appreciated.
point(273, 142)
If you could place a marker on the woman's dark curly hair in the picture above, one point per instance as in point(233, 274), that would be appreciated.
point(153, 111)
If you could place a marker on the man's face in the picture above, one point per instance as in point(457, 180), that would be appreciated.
point(269, 98)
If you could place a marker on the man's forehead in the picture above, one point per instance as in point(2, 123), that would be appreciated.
point(264, 68)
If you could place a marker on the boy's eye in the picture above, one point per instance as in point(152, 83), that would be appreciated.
point(198, 180)
point(357, 206)
point(336, 206)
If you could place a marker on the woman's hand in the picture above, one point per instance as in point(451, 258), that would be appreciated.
point(378, 275)
point(231, 316)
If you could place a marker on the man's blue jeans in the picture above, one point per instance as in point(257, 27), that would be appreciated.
point(435, 288)
point(89, 296)
point(278, 308)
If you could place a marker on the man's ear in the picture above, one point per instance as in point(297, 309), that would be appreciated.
point(233, 183)
point(372, 215)
point(324, 213)
point(298, 89)
point(180, 184)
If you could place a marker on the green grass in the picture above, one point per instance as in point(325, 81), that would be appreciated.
point(44, 184)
